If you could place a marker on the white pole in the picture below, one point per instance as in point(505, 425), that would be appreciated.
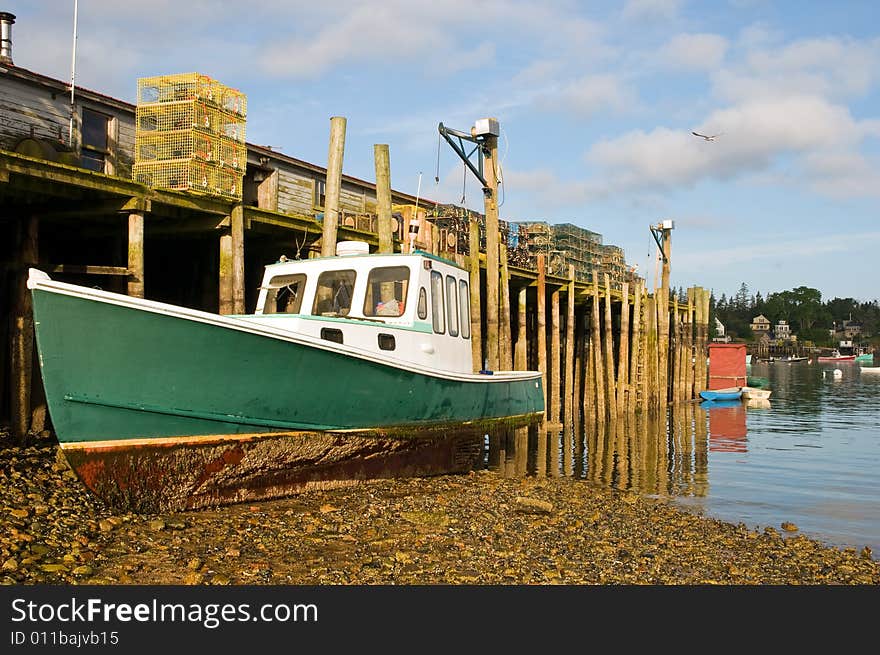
point(414, 221)
point(72, 76)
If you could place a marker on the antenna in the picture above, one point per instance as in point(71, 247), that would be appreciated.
point(72, 76)
point(414, 221)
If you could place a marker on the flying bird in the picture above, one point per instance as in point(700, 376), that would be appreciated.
point(711, 137)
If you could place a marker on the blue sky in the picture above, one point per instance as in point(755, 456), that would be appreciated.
point(596, 101)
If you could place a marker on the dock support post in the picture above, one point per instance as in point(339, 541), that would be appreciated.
point(520, 362)
point(474, 276)
point(623, 353)
point(332, 185)
point(596, 350)
point(383, 197)
point(569, 372)
point(556, 377)
point(136, 255)
point(609, 352)
point(505, 345)
point(22, 355)
point(237, 232)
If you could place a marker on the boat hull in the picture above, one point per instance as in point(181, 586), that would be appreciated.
point(167, 475)
point(755, 393)
point(721, 394)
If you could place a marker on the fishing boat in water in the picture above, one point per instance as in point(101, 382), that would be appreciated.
point(836, 357)
point(755, 392)
point(351, 367)
point(730, 393)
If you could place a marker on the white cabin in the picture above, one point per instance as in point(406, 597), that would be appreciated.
point(409, 307)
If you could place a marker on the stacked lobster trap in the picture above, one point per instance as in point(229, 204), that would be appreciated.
point(190, 135)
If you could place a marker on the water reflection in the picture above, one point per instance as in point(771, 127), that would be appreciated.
point(808, 455)
point(649, 454)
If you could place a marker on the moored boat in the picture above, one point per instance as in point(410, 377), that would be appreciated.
point(869, 369)
point(836, 357)
point(754, 392)
point(351, 367)
point(730, 393)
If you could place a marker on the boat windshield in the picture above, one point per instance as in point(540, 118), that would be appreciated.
point(386, 291)
point(284, 294)
point(334, 293)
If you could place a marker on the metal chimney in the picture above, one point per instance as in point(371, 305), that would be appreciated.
point(6, 22)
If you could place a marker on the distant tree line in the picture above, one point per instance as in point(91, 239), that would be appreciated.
point(809, 317)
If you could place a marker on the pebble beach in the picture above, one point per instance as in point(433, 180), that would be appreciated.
point(475, 528)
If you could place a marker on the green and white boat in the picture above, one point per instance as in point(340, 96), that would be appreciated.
point(352, 367)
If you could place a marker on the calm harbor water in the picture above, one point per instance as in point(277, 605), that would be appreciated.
point(810, 455)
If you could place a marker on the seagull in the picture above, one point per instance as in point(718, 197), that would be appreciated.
point(708, 138)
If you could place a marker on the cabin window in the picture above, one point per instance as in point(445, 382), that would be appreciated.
point(95, 140)
point(437, 305)
point(331, 334)
point(386, 342)
point(423, 304)
point(464, 303)
point(451, 306)
point(386, 291)
point(334, 292)
point(284, 294)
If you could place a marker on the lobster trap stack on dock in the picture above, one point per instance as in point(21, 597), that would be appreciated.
point(190, 135)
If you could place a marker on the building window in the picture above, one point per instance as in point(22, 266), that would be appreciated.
point(320, 193)
point(95, 140)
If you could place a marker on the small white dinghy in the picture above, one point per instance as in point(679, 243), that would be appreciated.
point(755, 393)
point(869, 369)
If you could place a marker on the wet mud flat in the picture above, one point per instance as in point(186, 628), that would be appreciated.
point(475, 528)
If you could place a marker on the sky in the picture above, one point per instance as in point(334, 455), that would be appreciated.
point(597, 102)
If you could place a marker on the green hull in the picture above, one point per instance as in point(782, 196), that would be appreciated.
point(115, 372)
point(869, 357)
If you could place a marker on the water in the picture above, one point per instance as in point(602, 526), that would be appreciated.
point(810, 455)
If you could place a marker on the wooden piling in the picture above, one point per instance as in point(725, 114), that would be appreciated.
point(609, 352)
point(333, 185)
point(135, 282)
point(490, 162)
point(556, 380)
point(652, 395)
point(22, 333)
point(542, 330)
point(704, 354)
point(623, 353)
point(663, 346)
point(674, 355)
point(520, 361)
point(690, 360)
point(505, 346)
point(225, 284)
point(383, 197)
point(236, 231)
point(578, 390)
point(596, 354)
point(474, 276)
point(636, 363)
point(569, 373)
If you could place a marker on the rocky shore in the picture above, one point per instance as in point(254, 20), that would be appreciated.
point(478, 528)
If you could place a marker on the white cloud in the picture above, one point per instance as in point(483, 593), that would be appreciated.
point(694, 51)
point(828, 66)
point(588, 95)
point(753, 135)
point(795, 250)
point(644, 9)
